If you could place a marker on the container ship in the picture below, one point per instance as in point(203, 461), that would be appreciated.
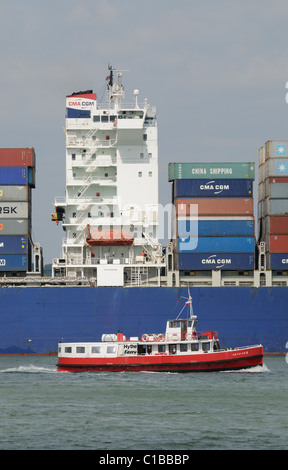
point(228, 246)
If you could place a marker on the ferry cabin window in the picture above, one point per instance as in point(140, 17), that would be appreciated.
point(111, 349)
point(206, 346)
point(194, 346)
point(161, 348)
point(80, 349)
point(172, 348)
point(142, 349)
point(183, 347)
point(95, 349)
point(68, 349)
point(174, 324)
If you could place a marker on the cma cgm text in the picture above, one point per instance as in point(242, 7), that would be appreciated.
point(216, 261)
point(216, 187)
point(80, 103)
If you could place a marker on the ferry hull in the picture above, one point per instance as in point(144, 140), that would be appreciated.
point(209, 362)
point(34, 320)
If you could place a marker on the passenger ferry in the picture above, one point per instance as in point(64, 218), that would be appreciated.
point(180, 349)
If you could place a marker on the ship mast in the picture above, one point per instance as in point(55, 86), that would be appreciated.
point(115, 88)
point(187, 303)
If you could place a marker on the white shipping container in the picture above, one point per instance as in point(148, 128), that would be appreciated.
point(261, 191)
point(14, 226)
point(275, 207)
point(276, 167)
point(14, 210)
point(276, 149)
point(14, 193)
point(276, 190)
point(261, 156)
point(261, 173)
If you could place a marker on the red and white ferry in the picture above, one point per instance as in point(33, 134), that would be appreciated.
point(180, 349)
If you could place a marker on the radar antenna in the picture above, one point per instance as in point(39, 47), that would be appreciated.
point(115, 89)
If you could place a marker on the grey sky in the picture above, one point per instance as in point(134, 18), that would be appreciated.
point(215, 69)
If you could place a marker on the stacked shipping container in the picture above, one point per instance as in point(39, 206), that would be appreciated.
point(273, 202)
point(17, 177)
point(214, 224)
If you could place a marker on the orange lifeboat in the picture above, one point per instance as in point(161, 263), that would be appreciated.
point(109, 238)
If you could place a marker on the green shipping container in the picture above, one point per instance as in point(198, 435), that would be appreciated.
point(178, 171)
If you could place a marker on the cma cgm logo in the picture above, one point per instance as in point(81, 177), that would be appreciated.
point(2, 262)
point(80, 103)
point(219, 262)
point(217, 188)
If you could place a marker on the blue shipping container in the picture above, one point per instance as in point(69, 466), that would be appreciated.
point(11, 244)
point(14, 175)
point(216, 245)
point(13, 263)
point(211, 188)
point(206, 262)
point(278, 261)
point(215, 228)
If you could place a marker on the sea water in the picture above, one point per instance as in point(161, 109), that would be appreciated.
point(42, 409)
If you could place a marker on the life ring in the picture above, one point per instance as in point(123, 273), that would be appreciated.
point(160, 337)
point(145, 337)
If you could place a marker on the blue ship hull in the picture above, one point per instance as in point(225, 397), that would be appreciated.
point(34, 320)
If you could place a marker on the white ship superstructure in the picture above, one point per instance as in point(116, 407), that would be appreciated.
point(110, 210)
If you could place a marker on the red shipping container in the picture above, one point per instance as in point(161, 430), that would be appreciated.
point(281, 179)
point(278, 243)
point(17, 157)
point(278, 225)
point(215, 206)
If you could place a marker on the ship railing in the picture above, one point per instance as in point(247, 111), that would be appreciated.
point(88, 200)
point(92, 179)
point(95, 162)
point(130, 106)
point(237, 348)
point(58, 201)
point(96, 143)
